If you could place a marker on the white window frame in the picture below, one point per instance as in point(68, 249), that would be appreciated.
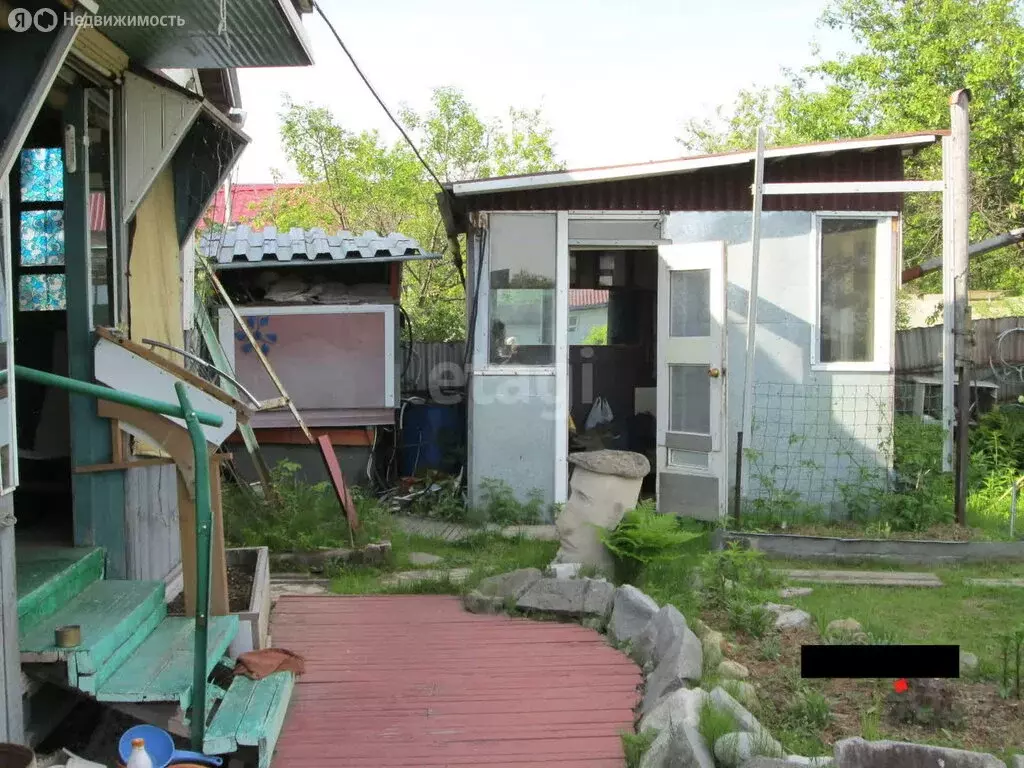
point(885, 259)
point(574, 323)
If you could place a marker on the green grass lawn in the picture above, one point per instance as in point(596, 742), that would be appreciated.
point(485, 554)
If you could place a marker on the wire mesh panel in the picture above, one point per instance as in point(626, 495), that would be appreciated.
point(818, 448)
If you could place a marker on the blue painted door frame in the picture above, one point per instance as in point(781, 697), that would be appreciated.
point(98, 496)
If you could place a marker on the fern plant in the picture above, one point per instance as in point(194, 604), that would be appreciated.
point(643, 537)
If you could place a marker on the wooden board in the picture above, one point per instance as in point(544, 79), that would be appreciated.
point(251, 715)
point(219, 604)
point(338, 481)
point(91, 683)
point(108, 613)
point(161, 668)
point(122, 369)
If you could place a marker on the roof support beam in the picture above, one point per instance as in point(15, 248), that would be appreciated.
point(852, 187)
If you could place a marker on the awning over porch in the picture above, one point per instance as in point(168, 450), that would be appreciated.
point(213, 35)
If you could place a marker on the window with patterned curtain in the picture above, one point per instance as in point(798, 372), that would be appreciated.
point(41, 280)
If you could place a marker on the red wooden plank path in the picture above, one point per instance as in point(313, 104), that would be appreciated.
point(415, 681)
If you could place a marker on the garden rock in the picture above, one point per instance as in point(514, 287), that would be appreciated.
point(743, 692)
point(778, 608)
point(733, 670)
point(565, 570)
point(658, 637)
point(604, 484)
point(423, 558)
point(682, 706)
point(700, 629)
point(968, 666)
point(858, 753)
point(509, 585)
point(574, 598)
point(795, 619)
point(740, 715)
point(843, 627)
point(679, 746)
point(791, 761)
point(736, 749)
point(477, 602)
point(1017, 761)
point(712, 643)
point(682, 665)
point(795, 592)
point(632, 611)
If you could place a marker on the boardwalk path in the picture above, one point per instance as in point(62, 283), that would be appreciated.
point(414, 681)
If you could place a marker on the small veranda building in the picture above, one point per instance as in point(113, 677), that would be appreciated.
point(668, 246)
point(116, 130)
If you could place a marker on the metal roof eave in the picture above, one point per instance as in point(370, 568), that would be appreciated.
point(302, 261)
point(680, 165)
point(258, 33)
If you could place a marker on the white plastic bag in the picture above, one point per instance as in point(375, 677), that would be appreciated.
point(600, 413)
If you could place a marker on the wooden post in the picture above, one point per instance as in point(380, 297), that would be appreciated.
point(218, 561)
point(961, 209)
point(12, 727)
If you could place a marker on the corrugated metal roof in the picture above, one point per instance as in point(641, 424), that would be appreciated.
point(548, 179)
point(256, 33)
point(243, 246)
point(246, 200)
point(724, 187)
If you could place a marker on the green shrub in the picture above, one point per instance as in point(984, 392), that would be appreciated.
point(713, 723)
point(643, 537)
point(736, 573)
point(502, 507)
point(635, 745)
point(300, 516)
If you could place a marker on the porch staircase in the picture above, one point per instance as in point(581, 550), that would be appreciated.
point(132, 652)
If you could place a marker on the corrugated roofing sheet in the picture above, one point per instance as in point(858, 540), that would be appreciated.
point(246, 247)
point(251, 33)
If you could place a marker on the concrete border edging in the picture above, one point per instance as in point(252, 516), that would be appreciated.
point(781, 545)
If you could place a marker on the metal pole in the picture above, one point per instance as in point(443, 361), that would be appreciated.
point(746, 426)
point(961, 208)
point(948, 329)
point(203, 543)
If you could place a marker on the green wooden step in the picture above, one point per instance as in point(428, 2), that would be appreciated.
point(251, 715)
point(91, 683)
point(48, 577)
point(160, 669)
point(108, 612)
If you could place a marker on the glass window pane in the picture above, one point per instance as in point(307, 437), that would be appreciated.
point(101, 257)
point(690, 303)
point(847, 319)
point(42, 238)
point(522, 289)
point(588, 317)
point(42, 175)
point(689, 399)
point(677, 458)
point(41, 293)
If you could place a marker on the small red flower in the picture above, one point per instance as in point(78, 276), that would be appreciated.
point(900, 686)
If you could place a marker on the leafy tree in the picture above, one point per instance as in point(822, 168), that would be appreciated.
point(909, 56)
point(596, 336)
point(357, 181)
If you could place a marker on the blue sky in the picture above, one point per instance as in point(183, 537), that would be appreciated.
point(615, 79)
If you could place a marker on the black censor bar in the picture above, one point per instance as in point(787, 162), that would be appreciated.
point(879, 661)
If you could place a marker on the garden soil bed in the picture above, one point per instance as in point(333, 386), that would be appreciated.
point(240, 578)
point(858, 707)
point(854, 531)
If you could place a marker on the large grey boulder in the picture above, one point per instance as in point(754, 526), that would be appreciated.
point(1017, 761)
point(858, 753)
point(791, 761)
point(681, 666)
point(795, 619)
point(682, 706)
point(679, 746)
point(603, 486)
point(659, 636)
point(632, 611)
point(509, 585)
point(568, 598)
point(735, 749)
point(477, 602)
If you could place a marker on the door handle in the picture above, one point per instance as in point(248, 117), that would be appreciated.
point(714, 373)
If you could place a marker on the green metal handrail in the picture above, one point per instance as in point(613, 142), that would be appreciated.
point(193, 420)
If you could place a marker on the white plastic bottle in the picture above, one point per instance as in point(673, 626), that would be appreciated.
point(139, 757)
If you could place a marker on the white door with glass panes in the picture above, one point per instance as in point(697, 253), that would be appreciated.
point(692, 456)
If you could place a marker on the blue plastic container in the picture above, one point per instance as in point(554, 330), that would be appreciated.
point(160, 748)
point(430, 432)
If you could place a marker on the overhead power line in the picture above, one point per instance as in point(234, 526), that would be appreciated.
point(380, 101)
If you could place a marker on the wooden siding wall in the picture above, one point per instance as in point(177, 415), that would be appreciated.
point(11, 725)
point(151, 521)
